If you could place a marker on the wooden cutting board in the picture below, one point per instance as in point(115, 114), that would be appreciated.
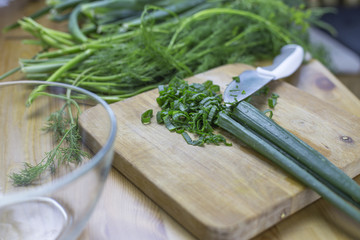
point(220, 192)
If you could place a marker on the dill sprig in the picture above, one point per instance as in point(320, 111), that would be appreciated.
point(66, 133)
point(28, 174)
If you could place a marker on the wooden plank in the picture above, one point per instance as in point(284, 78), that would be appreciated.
point(220, 192)
point(315, 79)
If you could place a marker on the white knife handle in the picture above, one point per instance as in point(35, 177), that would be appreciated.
point(285, 64)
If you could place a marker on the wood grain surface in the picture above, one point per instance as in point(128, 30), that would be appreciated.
point(220, 192)
point(124, 212)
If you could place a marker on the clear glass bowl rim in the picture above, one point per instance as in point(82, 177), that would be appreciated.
point(45, 189)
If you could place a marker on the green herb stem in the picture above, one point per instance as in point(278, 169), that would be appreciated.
point(73, 25)
point(59, 72)
point(268, 150)
point(254, 119)
point(9, 73)
point(105, 42)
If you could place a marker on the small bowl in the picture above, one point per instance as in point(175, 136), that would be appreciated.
point(57, 203)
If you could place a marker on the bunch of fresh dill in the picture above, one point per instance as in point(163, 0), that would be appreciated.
point(133, 58)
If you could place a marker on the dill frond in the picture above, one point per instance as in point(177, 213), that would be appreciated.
point(68, 150)
point(56, 123)
point(28, 174)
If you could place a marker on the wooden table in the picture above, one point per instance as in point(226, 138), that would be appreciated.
point(124, 212)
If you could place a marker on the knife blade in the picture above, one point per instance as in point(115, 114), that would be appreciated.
point(286, 63)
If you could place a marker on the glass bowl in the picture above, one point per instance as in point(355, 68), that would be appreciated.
point(52, 171)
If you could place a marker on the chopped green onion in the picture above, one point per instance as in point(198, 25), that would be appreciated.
point(146, 116)
point(272, 101)
point(270, 113)
point(236, 79)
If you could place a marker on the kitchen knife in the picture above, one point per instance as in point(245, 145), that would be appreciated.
point(250, 81)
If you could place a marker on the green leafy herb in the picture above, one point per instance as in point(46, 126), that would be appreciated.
point(191, 108)
point(66, 133)
point(117, 53)
point(146, 116)
point(237, 79)
point(272, 100)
